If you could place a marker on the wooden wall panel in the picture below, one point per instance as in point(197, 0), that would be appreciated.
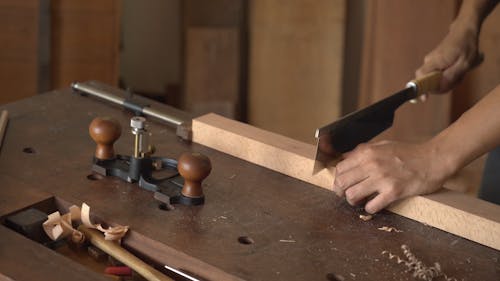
point(212, 70)
point(18, 49)
point(295, 67)
point(398, 34)
point(215, 57)
point(85, 41)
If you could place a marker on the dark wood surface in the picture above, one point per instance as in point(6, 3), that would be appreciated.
point(242, 200)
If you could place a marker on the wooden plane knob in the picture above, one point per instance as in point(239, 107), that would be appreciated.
point(194, 168)
point(104, 131)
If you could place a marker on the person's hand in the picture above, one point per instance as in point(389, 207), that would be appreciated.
point(387, 171)
point(455, 55)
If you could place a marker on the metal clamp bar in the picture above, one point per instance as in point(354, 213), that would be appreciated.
point(93, 90)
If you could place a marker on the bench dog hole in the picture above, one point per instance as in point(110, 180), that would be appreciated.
point(29, 150)
point(334, 277)
point(95, 177)
point(165, 207)
point(245, 240)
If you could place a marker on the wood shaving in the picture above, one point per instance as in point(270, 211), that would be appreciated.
point(389, 229)
point(419, 269)
point(366, 217)
point(287, 241)
point(57, 226)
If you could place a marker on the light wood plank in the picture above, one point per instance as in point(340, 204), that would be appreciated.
point(270, 150)
point(450, 211)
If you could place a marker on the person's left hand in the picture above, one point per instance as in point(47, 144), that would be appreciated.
point(389, 171)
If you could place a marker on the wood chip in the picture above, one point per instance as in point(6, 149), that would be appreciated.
point(389, 229)
point(366, 217)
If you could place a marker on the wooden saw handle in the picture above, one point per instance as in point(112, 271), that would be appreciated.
point(116, 251)
point(428, 83)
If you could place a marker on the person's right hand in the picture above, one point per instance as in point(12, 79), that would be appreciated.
point(455, 55)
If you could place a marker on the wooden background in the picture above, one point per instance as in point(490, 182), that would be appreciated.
point(285, 66)
point(49, 44)
point(296, 58)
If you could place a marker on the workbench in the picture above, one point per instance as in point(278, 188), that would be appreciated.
point(256, 224)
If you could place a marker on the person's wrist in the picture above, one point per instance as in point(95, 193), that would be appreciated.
point(444, 162)
point(468, 26)
point(468, 19)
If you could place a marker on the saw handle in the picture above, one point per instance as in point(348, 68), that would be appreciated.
point(428, 83)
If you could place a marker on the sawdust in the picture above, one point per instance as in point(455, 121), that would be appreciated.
point(419, 269)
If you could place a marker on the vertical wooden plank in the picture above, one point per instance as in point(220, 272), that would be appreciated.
point(85, 41)
point(295, 68)
point(214, 57)
point(44, 46)
point(18, 49)
point(355, 18)
point(150, 55)
point(398, 34)
point(212, 70)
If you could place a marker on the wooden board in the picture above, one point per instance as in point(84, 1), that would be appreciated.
point(19, 43)
point(215, 57)
point(453, 212)
point(270, 150)
point(85, 41)
point(299, 232)
point(80, 43)
point(212, 71)
point(295, 68)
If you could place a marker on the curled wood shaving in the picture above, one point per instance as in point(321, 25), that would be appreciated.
point(419, 269)
point(57, 226)
point(110, 233)
point(389, 229)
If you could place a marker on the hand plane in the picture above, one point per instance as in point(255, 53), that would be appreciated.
point(181, 186)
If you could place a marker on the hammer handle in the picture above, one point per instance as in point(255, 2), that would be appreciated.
point(119, 253)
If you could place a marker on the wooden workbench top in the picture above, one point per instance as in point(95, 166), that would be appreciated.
point(296, 231)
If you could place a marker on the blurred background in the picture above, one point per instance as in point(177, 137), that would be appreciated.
point(288, 66)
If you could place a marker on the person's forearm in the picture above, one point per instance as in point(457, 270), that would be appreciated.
point(472, 14)
point(476, 132)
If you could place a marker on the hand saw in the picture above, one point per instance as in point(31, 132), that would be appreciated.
point(361, 126)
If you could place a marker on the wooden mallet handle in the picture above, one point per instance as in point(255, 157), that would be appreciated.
point(116, 251)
